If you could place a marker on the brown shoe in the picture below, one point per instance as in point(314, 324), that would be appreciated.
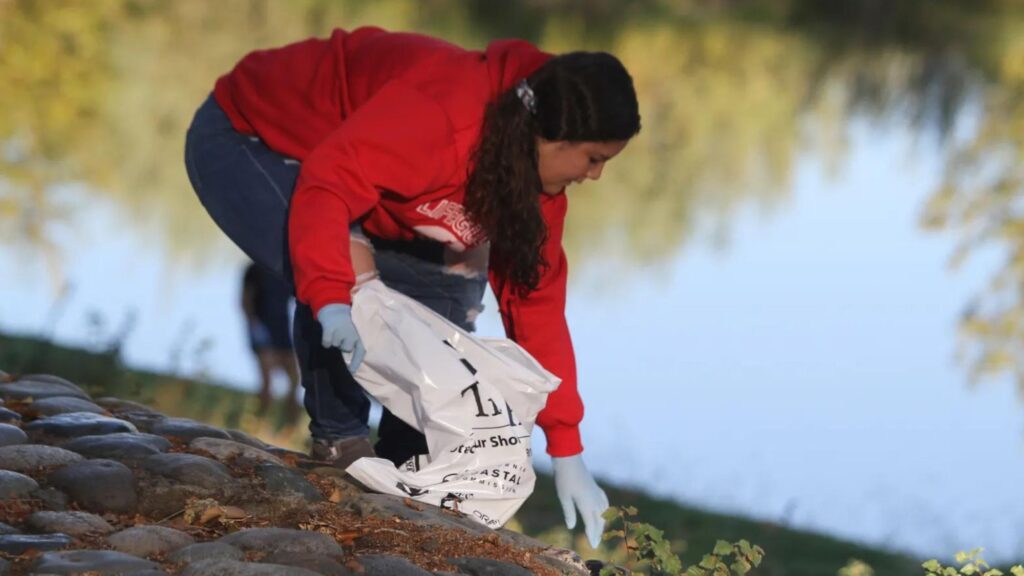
point(341, 452)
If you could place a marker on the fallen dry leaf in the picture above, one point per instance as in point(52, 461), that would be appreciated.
point(233, 512)
point(349, 536)
point(198, 508)
point(211, 513)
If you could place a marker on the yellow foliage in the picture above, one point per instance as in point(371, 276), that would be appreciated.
point(101, 93)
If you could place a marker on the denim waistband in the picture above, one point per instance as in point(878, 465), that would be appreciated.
point(420, 248)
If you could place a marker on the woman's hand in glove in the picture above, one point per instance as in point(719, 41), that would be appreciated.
point(576, 488)
point(340, 332)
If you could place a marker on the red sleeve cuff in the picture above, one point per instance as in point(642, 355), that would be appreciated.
point(328, 292)
point(563, 441)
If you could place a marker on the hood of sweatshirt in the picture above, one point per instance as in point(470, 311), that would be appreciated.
point(508, 61)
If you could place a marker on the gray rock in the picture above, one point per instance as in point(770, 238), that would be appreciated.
point(11, 435)
point(144, 421)
point(9, 416)
point(72, 523)
point(348, 491)
point(50, 378)
point(98, 485)
point(102, 561)
point(487, 567)
point(384, 506)
point(384, 565)
point(313, 562)
point(52, 499)
point(116, 405)
point(118, 446)
point(248, 440)
point(147, 540)
point(63, 405)
point(189, 469)
point(206, 551)
point(226, 450)
point(272, 540)
point(286, 453)
point(219, 567)
point(5, 567)
point(19, 543)
point(186, 429)
point(164, 496)
point(8, 529)
point(75, 424)
point(285, 481)
point(28, 457)
point(15, 485)
point(278, 511)
point(519, 540)
point(37, 386)
point(564, 560)
point(431, 545)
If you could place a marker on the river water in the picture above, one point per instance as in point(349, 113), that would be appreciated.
point(762, 326)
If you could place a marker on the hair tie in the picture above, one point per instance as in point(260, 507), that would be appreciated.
point(526, 95)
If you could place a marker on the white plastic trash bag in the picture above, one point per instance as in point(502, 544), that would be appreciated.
point(475, 400)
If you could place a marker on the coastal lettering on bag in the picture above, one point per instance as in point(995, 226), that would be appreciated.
point(512, 476)
point(487, 520)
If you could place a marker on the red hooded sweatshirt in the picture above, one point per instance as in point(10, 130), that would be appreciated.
point(384, 125)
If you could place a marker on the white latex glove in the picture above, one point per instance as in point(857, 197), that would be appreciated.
point(340, 332)
point(576, 488)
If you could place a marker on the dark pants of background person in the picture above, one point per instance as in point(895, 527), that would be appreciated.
point(247, 187)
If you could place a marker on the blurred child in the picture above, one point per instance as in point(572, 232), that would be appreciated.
point(265, 299)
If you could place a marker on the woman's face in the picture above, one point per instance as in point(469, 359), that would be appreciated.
point(562, 163)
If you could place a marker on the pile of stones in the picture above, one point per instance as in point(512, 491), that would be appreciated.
point(111, 486)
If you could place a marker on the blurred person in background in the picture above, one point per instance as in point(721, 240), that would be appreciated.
point(265, 300)
point(452, 165)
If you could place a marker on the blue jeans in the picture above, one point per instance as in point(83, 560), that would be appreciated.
point(246, 188)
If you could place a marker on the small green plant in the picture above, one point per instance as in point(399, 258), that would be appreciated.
point(728, 559)
point(970, 563)
point(646, 548)
point(645, 544)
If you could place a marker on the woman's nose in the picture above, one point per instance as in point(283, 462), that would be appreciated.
point(595, 172)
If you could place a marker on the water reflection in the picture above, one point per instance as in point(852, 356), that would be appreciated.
point(108, 89)
point(738, 102)
point(730, 95)
point(981, 202)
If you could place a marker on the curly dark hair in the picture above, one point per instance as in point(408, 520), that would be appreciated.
point(579, 97)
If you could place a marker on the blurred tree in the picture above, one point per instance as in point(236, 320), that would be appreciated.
point(982, 200)
point(100, 94)
point(53, 54)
